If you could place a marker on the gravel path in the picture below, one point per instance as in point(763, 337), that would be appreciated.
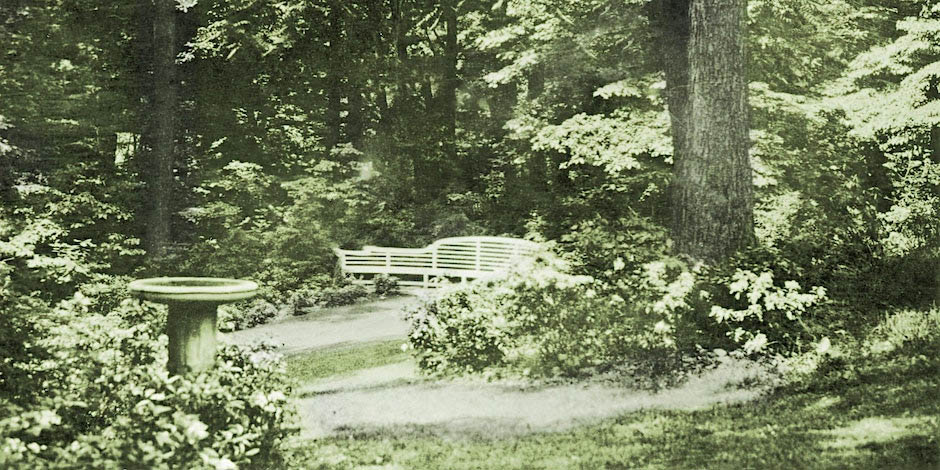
point(396, 397)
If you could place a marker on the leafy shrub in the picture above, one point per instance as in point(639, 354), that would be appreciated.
point(384, 285)
point(43, 259)
point(766, 309)
point(334, 295)
point(234, 415)
point(99, 396)
point(540, 320)
point(105, 293)
point(537, 320)
point(606, 249)
point(67, 235)
point(23, 319)
point(340, 295)
point(662, 295)
point(753, 301)
point(238, 316)
point(833, 245)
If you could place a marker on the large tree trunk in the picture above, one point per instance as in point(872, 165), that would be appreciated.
point(713, 193)
point(163, 127)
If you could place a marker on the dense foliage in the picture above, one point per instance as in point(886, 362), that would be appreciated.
point(306, 127)
point(85, 386)
point(541, 320)
point(83, 380)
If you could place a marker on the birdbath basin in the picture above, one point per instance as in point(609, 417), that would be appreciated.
point(192, 311)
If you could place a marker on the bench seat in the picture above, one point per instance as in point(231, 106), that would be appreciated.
point(455, 257)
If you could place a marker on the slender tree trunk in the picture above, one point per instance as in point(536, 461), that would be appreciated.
point(671, 21)
point(401, 50)
point(713, 192)
point(426, 88)
point(142, 49)
point(935, 143)
point(355, 120)
point(334, 80)
point(450, 82)
point(163, 127)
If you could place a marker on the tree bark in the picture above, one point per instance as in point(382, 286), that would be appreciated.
point(401, 50)
point(713, 192)
point(334, 85)
point(163, 127)
point(355, 120)
point(450, 82)
point(935, 143)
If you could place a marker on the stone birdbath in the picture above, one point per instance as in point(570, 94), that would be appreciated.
point(191, 324)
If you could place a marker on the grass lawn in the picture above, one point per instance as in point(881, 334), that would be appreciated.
point(870, 413)
point(341, 360)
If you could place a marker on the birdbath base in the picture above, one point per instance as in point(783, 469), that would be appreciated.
point(192, 311)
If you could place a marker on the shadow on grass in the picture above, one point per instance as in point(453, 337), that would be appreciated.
point(872, 413)
point(345, 359)
point(320, 392)
point(394, 305)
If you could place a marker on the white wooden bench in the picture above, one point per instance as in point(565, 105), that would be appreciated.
point(457, 257)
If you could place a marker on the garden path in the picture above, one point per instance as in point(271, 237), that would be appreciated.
point(326, 327)
point(396, 398)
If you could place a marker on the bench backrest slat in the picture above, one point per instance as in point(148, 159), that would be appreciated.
point(465, 257)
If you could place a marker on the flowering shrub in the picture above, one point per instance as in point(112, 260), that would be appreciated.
point(769, 310)
point(540, 320)
point(462, 330)
point(536, 320)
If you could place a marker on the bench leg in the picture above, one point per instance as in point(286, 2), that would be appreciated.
point(463, 280)
point(425, 281)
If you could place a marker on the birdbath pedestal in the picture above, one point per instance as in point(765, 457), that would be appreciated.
point(192, 310)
